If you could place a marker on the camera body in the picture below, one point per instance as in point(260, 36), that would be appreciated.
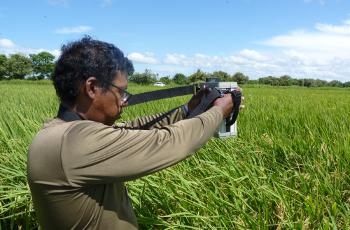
point(226, 129)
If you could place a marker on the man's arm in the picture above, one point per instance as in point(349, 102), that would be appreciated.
point(93, 153)
point(155, 121)
point(163, 119)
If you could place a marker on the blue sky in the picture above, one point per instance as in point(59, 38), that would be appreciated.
point(301, 38)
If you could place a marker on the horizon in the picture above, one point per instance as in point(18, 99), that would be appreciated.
point(299, 38)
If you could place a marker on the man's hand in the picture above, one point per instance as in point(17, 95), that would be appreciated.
point(225, 103)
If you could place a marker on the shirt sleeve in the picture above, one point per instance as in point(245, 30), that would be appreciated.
point(155, 121)
point(93, 153)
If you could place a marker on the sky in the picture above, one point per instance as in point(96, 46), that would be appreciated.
point(300, 38)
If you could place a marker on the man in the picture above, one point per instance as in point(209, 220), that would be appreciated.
point(79, 161)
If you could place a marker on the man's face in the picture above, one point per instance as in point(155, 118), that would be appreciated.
point(109, 104)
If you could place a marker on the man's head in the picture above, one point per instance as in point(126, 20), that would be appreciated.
point(84, 76)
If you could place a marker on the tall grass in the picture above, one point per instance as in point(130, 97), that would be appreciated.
point(288, 168)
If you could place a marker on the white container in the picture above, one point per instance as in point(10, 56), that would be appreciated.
point(232, 131)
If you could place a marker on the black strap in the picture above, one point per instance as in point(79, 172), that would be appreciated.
point(206, 102)
point(236, 99)
point(160, 94)
point(66, 115)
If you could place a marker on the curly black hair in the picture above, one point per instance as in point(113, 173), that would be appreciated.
point(85, 58)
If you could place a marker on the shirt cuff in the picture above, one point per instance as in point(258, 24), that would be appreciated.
point(185, 109)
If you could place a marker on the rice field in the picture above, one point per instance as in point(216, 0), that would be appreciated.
point(288, 168)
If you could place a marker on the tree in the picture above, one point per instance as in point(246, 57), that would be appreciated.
point(309, 82)
point(301, 82)
point(179, 78)
point(222, 75)
point(265, 80)
point(269, 80)
point(3, 60)
point(346, 84)
point(285, 80)
point(240, 78)
point(166, 80)
point(319, 83)
point(198, 76)
point(42, 64)
point(335, 83)
point(18, 66)
point(144, 78)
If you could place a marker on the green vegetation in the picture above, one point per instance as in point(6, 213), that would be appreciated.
point(288, 169)
point(40, 66)
point(19, 66)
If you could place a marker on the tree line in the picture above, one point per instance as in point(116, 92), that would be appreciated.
point(286, 80)
point(147, 77)
point(40, 66)
point(19, 66)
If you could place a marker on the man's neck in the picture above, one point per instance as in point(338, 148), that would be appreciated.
point(68, 114)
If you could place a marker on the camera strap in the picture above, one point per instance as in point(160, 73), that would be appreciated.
point(205, 103)
point(161, 94)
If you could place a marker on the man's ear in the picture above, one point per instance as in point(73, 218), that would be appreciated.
point(91, 87)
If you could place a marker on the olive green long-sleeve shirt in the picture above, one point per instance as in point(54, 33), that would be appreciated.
point(77, 169)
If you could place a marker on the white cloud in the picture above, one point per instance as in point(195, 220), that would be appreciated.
point(336, 29)
point(6, 43)
point(8, 47)
point(242, 58)
point(54, 52)
point(248, 61)
point(73, 30)
point(323, 53)
point(203, 61)
point(319, 41)
point(147, 58)
point(252, 54)
point(176, 59)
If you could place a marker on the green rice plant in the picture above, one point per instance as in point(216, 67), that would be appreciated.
point(287, 169)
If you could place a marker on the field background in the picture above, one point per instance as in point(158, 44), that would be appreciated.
point(287, 169)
